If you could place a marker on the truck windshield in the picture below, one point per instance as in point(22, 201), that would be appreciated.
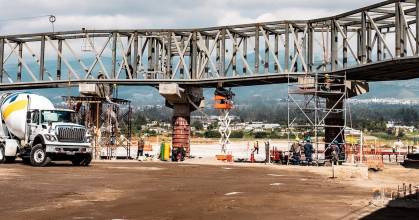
point(58, 116)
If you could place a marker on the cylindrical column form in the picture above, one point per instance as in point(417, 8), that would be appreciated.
point(335, 121)
point(181, 127)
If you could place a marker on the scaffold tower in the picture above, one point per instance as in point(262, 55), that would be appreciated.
point(317, 111)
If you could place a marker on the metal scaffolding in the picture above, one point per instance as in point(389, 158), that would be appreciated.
point(317, 109)
point(109, 122)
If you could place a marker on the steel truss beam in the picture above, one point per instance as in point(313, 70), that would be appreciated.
point(374, 34)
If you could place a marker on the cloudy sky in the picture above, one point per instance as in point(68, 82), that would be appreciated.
point(21, 16)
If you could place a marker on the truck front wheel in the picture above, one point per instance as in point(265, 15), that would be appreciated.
point(87, 159)
point(39, 157)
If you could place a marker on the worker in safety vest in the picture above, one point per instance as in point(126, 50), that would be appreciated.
point(296, 152)
point(397, 145)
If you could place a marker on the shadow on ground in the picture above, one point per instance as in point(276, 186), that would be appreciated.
point(403, 208)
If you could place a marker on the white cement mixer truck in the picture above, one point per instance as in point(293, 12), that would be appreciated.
point(33, 129)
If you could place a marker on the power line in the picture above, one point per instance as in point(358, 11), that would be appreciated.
point(25, 18)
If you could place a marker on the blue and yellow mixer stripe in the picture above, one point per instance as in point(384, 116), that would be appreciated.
point(13, 105)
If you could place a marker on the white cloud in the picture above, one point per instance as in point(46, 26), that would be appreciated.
point(233, 17)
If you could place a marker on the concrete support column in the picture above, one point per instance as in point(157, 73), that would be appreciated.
point(335, 121)
point(183, 101)
point(181, 126)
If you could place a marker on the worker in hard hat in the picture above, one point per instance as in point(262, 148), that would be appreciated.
point(295, 152)
point(308, 151)
point(327, 82)
point(140, 147)
point(335, 151)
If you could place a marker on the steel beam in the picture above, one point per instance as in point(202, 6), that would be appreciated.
point(417, 27)
point(257, 50)
point(135, 56)
point(1, 59)
point(223, 53)
point(114, 48)
point(59, 63)
point(19, 64)
point(266, 60)
point(398, 30)
point(363, 45)
point(310, 47)
point(334, 46)
point(194, 56)
point(245, 54)
point(42, 59)
point(287, 48)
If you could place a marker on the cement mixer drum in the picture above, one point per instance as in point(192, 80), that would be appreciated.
point(14, 108)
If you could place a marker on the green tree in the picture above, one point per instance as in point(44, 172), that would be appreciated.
point(213, 126)
point(237, 134)
point(212, 134)
point(197, 125)
point(260, 134)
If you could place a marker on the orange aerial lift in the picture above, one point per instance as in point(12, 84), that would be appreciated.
point(223, 101)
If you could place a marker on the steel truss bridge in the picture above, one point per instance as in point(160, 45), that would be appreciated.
point(374, 43)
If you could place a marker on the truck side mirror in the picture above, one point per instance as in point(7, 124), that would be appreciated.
point(28, 117)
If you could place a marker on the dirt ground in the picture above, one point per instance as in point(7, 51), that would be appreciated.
point(156, 190)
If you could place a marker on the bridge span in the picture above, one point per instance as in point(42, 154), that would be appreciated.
point(374, 43)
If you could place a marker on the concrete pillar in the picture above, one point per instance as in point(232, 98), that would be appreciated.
point(181, 126)
point(180, 100)
point(335, 120)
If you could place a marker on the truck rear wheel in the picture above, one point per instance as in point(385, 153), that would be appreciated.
point(4, 158)
point(2, 155)
point(39, 157)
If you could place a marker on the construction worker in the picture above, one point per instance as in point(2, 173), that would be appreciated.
point(140, 147)
point(397, 145)
point(267, 151)
point(335, 151)
point(327, 82)
point(308, 151)
point(256, 147)
point(296, 152)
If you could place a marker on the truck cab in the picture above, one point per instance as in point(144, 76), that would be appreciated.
point(60, 135)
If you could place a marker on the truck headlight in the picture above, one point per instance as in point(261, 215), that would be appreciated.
point(50, 137)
